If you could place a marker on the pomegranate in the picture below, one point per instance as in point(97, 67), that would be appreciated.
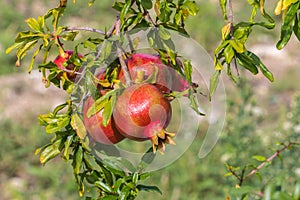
point(142, 66)
point(105, 135)
point(60, 60)
point(142, 113)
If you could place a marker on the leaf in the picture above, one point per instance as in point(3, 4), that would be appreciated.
point(78, 126)
point(163, 33)
point(67, 149)
point(297, 26)
point(100, 103)
point(103, 186)
point(228, 54)
point(106, 50)
point(91, 162)
point(23, 49)
point(259, 158)
point(214, 81)
point(188, 70)
point(108, 110)
point(125, 10)
point(226, 31)
point(191, 7)
point(77, 162)
point(237, 45)
point(261, 66)
point(33, 58)
point(51, 151)
point(194, 104)
point(148, 188)
point(147, 4)
point(223, 4)
point(33, 24)
point(247, 62)
point(287, 26)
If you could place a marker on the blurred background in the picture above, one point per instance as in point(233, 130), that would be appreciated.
point(259, 113)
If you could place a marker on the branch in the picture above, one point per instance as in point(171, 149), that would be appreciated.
point(120, 55)
point(276, 154)
point(85, 29)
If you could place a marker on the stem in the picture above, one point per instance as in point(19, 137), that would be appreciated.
point(276, 154)
point(85, 29)
point(120, 55)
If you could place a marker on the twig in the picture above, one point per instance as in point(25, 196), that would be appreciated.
point(276, 154)
point(85, 29)
point(120, 55)
point(150, 19)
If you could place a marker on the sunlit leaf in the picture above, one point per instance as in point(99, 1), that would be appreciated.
point(78, 126)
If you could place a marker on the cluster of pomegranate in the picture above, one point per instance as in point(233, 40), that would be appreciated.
point(141, 112)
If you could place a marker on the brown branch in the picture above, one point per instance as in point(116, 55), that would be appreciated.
point(85, 29)
point(120, 55)
point(276, 154)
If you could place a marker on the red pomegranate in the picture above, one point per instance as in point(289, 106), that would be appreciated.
point(105, 135)
point(61, 59)
point(142, 66)
point(142, 113)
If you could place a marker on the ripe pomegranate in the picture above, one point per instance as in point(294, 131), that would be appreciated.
point(142, 66)
point(142, 113)
point(60, 60)
point(105, 135)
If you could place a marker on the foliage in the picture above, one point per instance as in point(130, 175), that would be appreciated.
point(113, 177)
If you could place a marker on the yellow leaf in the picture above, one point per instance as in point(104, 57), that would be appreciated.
point(278, 8)
point(226, 30)
point(78, 126)
point(287, 3)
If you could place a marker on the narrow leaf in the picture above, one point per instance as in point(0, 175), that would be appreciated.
point(78, 126)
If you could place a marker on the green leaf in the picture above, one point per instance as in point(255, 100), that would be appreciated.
point(297, 26)
point(247, 62)
point(67, 149)
point(214, 81)
point(51, 151)
point(223, 4)
point(164, 33)
point(33, 58)
point(113, 167)
point(259, 158)
point(191, 7)
point(125, 10)
point(148, 188)
point(228, 54)
point(106, 50)
point(77, 162)
point(288, 25)
point(103, 186)
point(91, 162)
point(78, 126)
point(194, 104)
point(261, 66)
point(34, 24)
point(147, 4)
point(21, 53)
point(237, 45)
point(100, 103)
point(108, 110)
point(188, 70)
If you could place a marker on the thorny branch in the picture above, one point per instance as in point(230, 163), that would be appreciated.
point(242, 177)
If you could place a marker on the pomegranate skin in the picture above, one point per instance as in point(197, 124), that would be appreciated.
point(106, 135)
point(167, 79)
point(141, 112)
